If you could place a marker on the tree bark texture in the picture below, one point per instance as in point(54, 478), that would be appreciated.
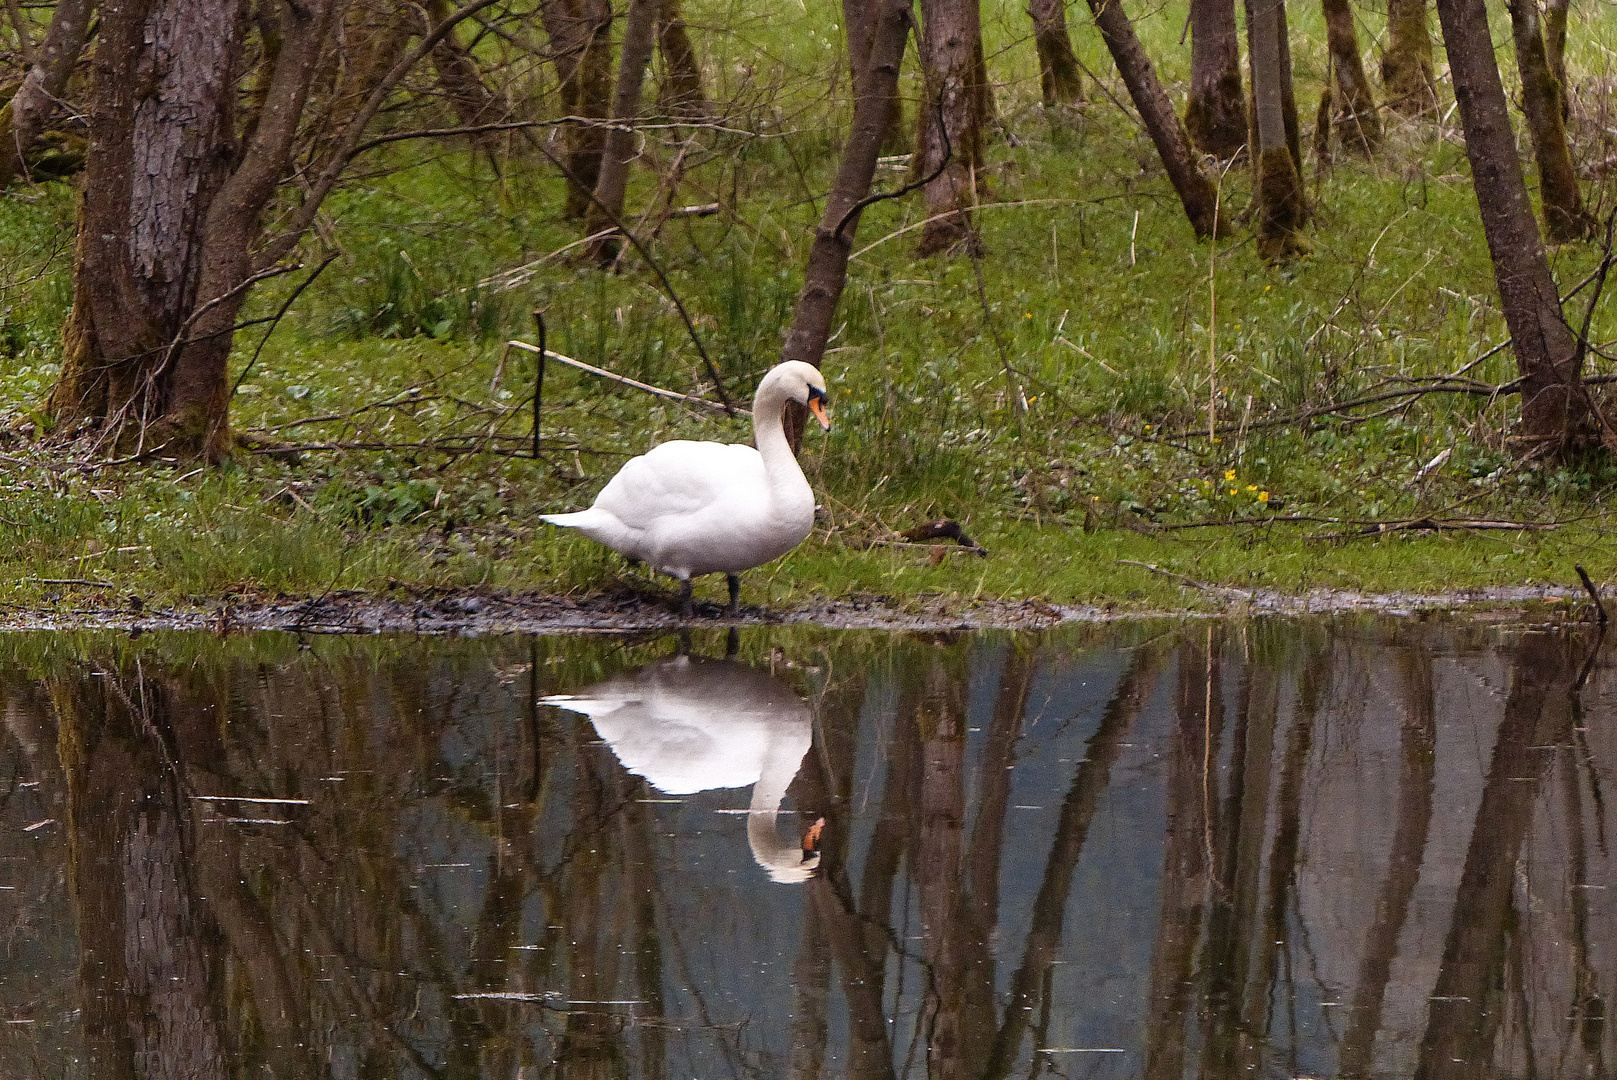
point(1556, 410)
point(1060, 79)
point(580, 34)
point(1555, 15)
point(1407, 81)
point(171, 212)
point(1195, 190)
point(37, 101)
point(611, 187)
point(681, 91)
point(954, 110)
point(1282, 210)
point(875, 100)
point(1356, 119)
point(1543, 104)
point(1215, 114)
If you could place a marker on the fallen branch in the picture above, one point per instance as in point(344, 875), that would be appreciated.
point(1594, 594)
point(624, 379)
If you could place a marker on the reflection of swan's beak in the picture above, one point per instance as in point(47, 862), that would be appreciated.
point(811, 839)
point(817, 407)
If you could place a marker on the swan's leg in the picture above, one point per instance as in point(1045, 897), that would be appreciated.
point(685, 598)
point(735, 593)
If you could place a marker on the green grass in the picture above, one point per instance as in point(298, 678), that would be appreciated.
point(1095, 289)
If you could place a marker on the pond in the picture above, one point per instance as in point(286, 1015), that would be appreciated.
point(1349, 847)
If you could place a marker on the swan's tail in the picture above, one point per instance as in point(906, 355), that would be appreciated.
point(571, 521)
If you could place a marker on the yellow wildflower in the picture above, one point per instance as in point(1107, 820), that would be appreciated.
point(1263, 496)
point(1229, 474)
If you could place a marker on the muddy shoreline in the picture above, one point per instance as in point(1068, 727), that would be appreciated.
point(480, 612)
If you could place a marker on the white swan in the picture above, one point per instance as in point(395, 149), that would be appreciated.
point(692, 508)
point(692, 725)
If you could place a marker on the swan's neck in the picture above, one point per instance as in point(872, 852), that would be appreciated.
point(784, 859)
point(769, 435)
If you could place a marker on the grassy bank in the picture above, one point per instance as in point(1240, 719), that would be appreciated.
point(1057, 406)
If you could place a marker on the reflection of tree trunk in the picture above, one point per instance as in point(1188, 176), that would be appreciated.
point(870, 1050)
point(1195, 190)
point(1407, 81)
point(152, 988)
point(612, 185)
point(939, 840)
point(1089, 782)
point(1588, 1004)
point(1215, 113)
point(1466, 1006)
point(1415, 783)
point(1355, 104)
point(811, 994)
point(1238, 1001)
point(950, 40)
point(1543, 104)
point(1060, 80)
point(1184, 864)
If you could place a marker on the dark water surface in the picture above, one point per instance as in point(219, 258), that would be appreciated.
point(1270, 849)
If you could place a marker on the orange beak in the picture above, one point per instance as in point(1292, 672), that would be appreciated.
point(817, 407)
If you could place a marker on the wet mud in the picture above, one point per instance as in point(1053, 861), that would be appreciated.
point(481, 611)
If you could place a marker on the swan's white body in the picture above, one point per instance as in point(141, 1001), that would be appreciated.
point(693, 508)
point(693, 725)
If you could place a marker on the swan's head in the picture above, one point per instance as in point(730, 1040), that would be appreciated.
point(803, 384)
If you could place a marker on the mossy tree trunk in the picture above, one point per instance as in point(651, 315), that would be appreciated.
point(580, 33)
point(1287, 90)
point(1215, 114)
point(1555, 15)
point(1407, 82)
point(612, 185)
point(24, 118)
point(1543, 106)
point(1060, 78)
point(954, 111)
point(1196, 192)
point(1355, 114)
point(1282, 211)
point(680, 93)
point(1557, 414)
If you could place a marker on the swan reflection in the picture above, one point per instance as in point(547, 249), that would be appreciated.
point(691, 724)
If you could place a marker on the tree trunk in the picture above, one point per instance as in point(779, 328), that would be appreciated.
point(1215, 115)
point(875, 99)
point(1543, 104)
point(172, 215)
point(461, 82)
point(1555, 15)
point(1556, 411)
point(580, 34)
point(1355, 104)
point(639, 36)
point(38, 99)
point(1196, 192)
point(1060, 79)
point(949, 42)
point(681, 91)
point(1281, 208)
point(1407, 81)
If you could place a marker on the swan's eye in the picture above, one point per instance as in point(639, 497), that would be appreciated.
point(816, 394)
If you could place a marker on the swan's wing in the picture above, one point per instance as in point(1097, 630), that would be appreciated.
point(680, 477)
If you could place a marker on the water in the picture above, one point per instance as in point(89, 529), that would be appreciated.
point(1280, 848)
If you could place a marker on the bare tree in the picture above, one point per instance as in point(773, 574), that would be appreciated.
point(639, 37)
point(1282, 210)
point(1355, 112)
point(1557, 413)
point(1195, 190)
point(1407, 81)
point(1215, 113)
point(875, 99)
point(950, 123)
point(1060, 78)
point(38, 99)
point(1544, 105)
